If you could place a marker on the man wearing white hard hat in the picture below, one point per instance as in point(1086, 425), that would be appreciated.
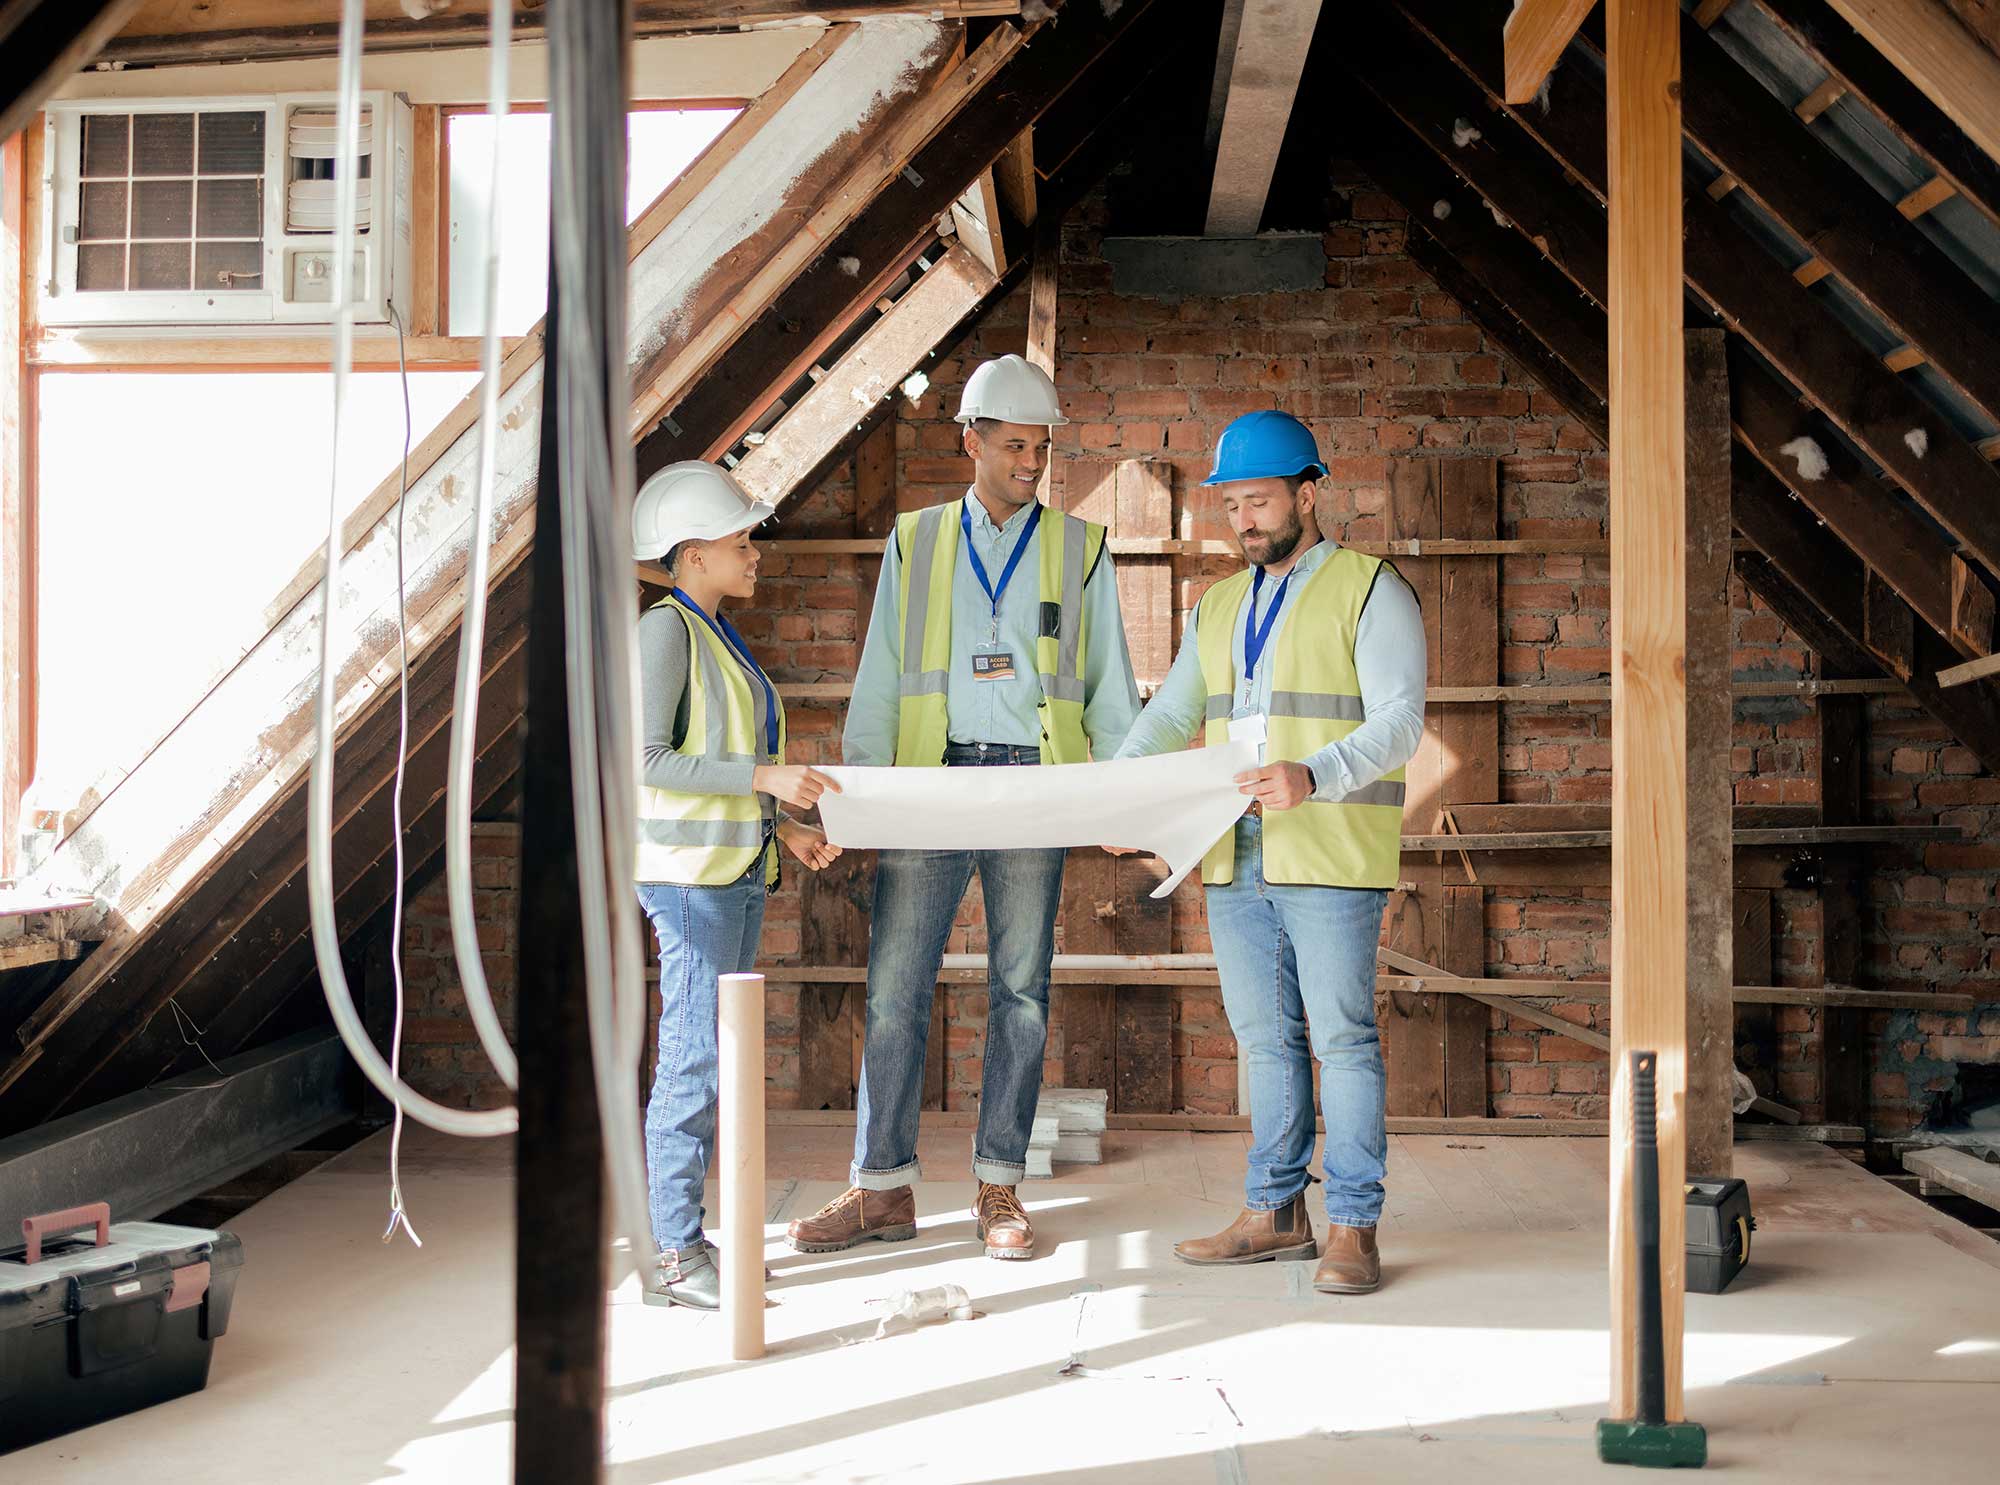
point(712, 770)
point(996, 641)
point(1315, 652)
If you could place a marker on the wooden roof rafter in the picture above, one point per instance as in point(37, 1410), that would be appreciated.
point(1966, 170)
point(1501, 268)
point(1921, 450)
point(1898, 272)
point(169, 33)
point(1263, 49)
point(1090, 57)
point(221, 776)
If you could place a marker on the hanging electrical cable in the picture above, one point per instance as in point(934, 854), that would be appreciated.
point(472, 628)
point(399, 1215)
point(596, 480)
point(319, 800)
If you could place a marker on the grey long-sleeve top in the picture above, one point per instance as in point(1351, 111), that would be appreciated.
point(663, 717)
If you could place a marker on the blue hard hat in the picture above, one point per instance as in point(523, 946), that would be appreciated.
point(1261, 445)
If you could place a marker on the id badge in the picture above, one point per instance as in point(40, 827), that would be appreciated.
point(992, 664)
point(1249, 726)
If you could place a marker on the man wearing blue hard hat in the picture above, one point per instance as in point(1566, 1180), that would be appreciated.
point(1316, 653)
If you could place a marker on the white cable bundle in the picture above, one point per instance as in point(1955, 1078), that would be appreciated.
point(319, 799)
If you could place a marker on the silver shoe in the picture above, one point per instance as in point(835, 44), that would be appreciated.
point(686, 1277)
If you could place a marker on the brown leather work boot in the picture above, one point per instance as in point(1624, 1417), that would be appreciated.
point(1255, 1237)
point(1003, 1222)
point(1352, 1264)
point(856, 1216)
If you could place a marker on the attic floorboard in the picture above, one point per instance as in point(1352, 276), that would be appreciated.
point(1863, 1342)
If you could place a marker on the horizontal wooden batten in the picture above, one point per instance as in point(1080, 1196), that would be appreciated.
point(258, 350)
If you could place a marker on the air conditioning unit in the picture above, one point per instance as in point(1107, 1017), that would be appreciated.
point(220, 211)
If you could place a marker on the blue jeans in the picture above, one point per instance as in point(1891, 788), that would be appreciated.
point(917, 894)
point(703, 932)
point(1298, 981)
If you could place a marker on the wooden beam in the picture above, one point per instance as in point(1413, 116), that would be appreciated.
point(1095, 55)
point(1926, 197)
point(19, 539)
point(62, 349)
point(1649, 780)
point(1895, 540)
point(1971, 670)
point(873, 367)
point(1924, 452)
point(1435, 1052)
point(1819, 588)
point(1536, 33)
point(166, 33)
point(1802, 565)
point(430, 215)
point(1876, 81)
point(1711, 1019)
point(1014, 174)
point(1900, 274)
point(976, 215)
point(43, 43)
point(1270, 51)
point(1819, 100)
point(1888, 625)
point(1957, 1170)
point(1929, 46)
point(842, 185)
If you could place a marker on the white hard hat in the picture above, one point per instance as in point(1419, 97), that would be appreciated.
point(1011, 390)
point(691, 501)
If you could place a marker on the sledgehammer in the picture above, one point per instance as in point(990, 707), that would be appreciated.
point(1649, 1439)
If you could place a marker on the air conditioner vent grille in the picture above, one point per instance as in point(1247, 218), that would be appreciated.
point(171, 202)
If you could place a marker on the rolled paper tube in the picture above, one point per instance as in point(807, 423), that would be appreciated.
point(740, 1041)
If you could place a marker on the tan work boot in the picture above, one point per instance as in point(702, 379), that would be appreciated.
point(1255, 1237)
point(1352, 1264)
point(1003, 1222)
point(856, 1216)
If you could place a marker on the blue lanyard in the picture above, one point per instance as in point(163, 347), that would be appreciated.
point(726, 632)
point(1007, 572)
point(1254, 634)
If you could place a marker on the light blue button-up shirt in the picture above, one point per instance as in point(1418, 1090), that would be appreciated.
point(1388, 659)
point(992, 711)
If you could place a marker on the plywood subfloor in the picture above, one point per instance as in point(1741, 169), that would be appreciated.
point(1864, 1342)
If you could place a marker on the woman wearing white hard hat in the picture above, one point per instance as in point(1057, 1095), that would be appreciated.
point(713, 770)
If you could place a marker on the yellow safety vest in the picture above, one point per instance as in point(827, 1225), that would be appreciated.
point(1315, 700)
point(710, 840)
point(927, 540)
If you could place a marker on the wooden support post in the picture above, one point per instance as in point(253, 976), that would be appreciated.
point(559, 1152)
point(1711, 1031)
point(1649, 800)
point(1435, 1046)
point(18, 538)
point(430, 219)
point(1843, 1040)
point(740, 1060)
point(833, 924)
point(1044, 278)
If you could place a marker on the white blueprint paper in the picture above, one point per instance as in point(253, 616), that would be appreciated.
point(1174, 804)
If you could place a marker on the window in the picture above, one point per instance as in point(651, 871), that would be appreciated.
point(173, 506)
point(660, 144)
point(171, 201)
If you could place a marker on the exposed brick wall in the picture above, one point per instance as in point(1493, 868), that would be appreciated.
point(1382, 364)
point(441, 1052)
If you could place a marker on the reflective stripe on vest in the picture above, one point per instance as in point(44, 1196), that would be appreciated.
point(1315, 700)
point(710, 840)
point(1067, 548)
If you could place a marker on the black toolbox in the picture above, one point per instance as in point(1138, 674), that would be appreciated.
point(106, 1322)
point(1719, 1225)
